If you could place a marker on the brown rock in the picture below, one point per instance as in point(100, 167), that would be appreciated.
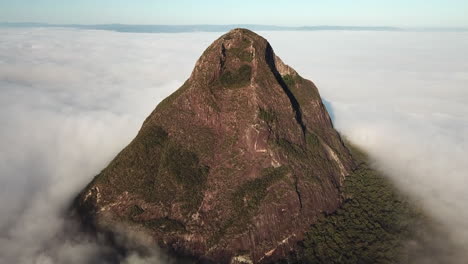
point(232, 167)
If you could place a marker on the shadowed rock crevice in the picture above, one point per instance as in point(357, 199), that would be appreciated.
point(228, 156)
point(298, 193)
point(270, 59)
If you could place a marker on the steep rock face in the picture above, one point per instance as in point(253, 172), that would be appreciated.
point(232, 167)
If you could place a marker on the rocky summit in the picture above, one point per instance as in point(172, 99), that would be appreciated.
point(233, 167)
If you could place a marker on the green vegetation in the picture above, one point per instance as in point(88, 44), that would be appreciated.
point(289, 80)
point(153, 167)
point(266, 115)
point(246, 56)
point(149, 142)
point(135, 210)
point(370, 227)
point(290, 148)
point(165, 224)
point(299, 151)
point(153, 136)
point(164, 104)
point(205, 142)
point(184, 166)
point(241, 53)
point(292, 80)
point(246, 200)
point(312, 140)
point(304, 92)
point(239, 49)
point(245, 43)
point(237, 79)
point(177, 169)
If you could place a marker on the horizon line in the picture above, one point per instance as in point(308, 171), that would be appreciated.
point(175, 28)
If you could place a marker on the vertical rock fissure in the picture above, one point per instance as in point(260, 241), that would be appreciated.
point(195, 197)
point(270, 59)
point(296, 187)
point(223, 56)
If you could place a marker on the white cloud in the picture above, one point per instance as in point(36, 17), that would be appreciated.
point(71, 99)
point(403, 97)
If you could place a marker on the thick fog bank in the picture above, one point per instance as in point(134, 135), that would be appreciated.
point(71, 99)
point(403, 97)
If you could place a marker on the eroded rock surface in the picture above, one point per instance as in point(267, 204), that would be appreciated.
point(233, 167)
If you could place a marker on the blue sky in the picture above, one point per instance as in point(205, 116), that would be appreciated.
point(408, 13)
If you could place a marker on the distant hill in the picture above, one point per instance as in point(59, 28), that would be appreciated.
point(217, 28)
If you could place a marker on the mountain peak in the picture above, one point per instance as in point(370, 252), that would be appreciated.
point(236, 164)
point(241, 32)
point(235, 57)
point(230, 58)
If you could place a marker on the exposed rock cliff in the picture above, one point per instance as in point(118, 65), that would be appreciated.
point(232, 167)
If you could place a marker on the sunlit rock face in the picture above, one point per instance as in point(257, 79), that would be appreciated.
point(233, 167)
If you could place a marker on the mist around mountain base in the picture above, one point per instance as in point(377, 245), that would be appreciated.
point(72, 99)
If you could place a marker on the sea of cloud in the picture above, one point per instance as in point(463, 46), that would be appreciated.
point(403, 97)
point(71, 99)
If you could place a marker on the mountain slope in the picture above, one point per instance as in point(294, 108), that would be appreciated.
point(233, 166)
